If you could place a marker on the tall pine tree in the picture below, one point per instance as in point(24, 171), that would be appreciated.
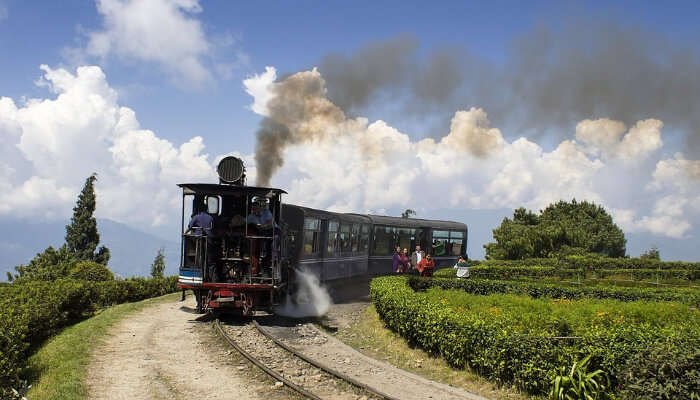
point(158, 265)
point(82, 237)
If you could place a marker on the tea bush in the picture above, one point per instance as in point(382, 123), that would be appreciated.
point(525, 341)
point(555, 290)
point(594, 263)
point(537, 271)
point(31, 312)
point(91, 271)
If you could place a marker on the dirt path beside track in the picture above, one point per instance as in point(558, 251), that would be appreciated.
point(163, 353)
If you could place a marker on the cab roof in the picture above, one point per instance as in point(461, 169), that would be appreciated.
point(217, 189)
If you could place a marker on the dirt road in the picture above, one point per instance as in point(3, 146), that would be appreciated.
point(163, 353)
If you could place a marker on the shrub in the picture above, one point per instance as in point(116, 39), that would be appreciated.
point(525, 348)
point(551, 290)
point(91, 271)
point(664, 371)
point(33, 311)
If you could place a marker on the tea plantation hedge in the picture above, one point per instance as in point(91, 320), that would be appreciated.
point(498, 347)
point(556, 290)
point(33, 311)
point(594, 263)
point(566, 271)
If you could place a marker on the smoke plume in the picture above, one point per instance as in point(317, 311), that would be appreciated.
point(547, 81)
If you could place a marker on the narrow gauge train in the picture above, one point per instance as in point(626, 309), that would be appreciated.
point(249, 256)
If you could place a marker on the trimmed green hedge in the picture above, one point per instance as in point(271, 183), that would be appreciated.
point(594, 263)
point(536, 271)
point(557, 291)
point(499, 346)
point(33, 311)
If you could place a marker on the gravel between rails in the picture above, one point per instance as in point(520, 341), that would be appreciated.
point(301, 373)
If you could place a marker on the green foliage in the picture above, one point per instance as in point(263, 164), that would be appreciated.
point(490, 271)
point(158, 265)
point(652, 254)
point(578, 383)
point(91, 271)
point(49, 265)
point(408, 213)
point(522, 341)
point(663, 371)
point(563, 228)
point(592, 263)
point(557, 291)
point(82, 237)
point(32, 311)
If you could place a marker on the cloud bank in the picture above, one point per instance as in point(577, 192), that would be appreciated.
point(50, 145)
point(328, 160)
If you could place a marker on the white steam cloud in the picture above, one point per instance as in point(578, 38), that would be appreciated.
point(310, 300)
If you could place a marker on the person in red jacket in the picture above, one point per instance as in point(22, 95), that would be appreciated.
point(426, 266)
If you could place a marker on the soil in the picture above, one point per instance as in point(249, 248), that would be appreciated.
point(164, 352)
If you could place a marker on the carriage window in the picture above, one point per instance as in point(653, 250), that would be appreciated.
point(404, 238)
point(332, 237)
point(355, 237)
point(312, 231)
point(441, 243)
point(456, 242)
point(364, 238)
point(212, 205)
point(344, 237)
point(383, 240)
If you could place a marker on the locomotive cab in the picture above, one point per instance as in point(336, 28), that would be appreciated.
point(231, 247)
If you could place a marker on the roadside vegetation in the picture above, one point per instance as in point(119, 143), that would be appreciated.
point(58, 288)
point(559, 310)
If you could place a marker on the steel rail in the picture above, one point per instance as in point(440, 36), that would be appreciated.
point(262, 366)
point(323, 367)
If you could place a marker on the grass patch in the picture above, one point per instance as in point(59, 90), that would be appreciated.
point(372, 338)
point(59, 368)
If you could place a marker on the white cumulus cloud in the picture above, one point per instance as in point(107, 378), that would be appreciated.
point(52, 144)
point(164, 32)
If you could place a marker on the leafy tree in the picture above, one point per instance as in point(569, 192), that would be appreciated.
point(82, 237)
point(407, 213)
point(49, 265)
point(158, 265)
point(652, 254)
point(563, 228)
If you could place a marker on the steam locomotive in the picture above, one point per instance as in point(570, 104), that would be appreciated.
point(250, 253)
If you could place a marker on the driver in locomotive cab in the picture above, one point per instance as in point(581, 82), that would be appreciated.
point(260, 213)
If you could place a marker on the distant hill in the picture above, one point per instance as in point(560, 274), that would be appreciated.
point(132, 250)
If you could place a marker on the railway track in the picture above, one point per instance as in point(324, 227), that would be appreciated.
point(284, 364)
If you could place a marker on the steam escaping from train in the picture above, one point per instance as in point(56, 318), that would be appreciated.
point(310, 300)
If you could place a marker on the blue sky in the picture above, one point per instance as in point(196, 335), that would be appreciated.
point(292, 36)
point(89, 55)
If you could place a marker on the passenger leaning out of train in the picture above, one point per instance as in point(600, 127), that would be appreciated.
point(426, 266)
point(201, 222)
